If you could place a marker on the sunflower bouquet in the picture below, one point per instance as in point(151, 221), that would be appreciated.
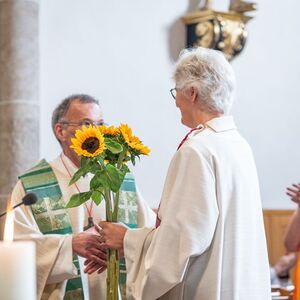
point(105, 152)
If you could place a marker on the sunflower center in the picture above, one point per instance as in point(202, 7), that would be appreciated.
point(91, 144)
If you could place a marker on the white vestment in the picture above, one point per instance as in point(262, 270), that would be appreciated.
point(211, 243)
point(54, 252)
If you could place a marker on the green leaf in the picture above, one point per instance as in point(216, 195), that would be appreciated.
point(100, 159)
point(81, 172)
point(125, 169)
point(99, 180)
point(91, 166)
point(115, 177)
point(83, 161)
point(113, 146)
point(132, 158)
point(97, 197)
point(78, 199)
point(127, 158)
point(94, 167)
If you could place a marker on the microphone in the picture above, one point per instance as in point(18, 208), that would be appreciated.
point(28, 199)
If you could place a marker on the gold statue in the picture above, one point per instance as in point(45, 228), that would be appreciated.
point(224, 31)
point(242, 6)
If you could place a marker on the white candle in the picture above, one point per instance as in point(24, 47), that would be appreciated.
point(17, 271)
point(17, 266)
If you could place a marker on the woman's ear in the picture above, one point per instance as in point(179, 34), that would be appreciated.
point(193, 93)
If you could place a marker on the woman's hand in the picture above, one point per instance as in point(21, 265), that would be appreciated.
point(112, 234)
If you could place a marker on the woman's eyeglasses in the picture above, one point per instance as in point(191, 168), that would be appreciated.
point(173, 93)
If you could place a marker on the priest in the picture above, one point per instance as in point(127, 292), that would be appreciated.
point(62, 236)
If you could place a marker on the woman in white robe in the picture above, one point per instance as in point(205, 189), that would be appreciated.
point(209, 243)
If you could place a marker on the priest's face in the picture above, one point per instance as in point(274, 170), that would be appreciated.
point(78, 114)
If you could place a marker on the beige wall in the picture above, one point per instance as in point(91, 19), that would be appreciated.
point(122, 52)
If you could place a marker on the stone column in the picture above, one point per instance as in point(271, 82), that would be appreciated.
point(19, 101)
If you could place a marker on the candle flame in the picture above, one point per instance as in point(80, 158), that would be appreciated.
point(9, 224)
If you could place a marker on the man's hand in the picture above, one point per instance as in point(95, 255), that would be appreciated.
point(112, 235)
point(88, 244)
point(91, 266)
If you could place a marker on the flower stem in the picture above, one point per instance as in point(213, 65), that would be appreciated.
point(116, 206)
point(121, 157)
point(117, 194)
point(112, 280)
point(109, 215)
point(112, 275)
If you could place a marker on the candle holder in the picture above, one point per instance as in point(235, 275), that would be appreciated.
point(224, 31)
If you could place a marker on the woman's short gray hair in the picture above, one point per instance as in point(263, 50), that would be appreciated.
point(211, 74)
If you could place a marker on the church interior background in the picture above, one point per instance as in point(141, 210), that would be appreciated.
point(122, 53)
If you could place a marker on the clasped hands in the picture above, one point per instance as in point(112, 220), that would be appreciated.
point(94, 242)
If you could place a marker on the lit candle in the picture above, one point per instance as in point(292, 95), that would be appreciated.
point(17, 266)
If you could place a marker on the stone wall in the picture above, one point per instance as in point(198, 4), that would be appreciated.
point(19, 100)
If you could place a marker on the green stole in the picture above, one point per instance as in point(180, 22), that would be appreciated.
point(52, 217)
point(128, 214)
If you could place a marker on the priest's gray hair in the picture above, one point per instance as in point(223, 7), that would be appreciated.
point(61, 110)
point(210, 74)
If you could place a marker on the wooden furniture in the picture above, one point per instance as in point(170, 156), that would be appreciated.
point(276, 222)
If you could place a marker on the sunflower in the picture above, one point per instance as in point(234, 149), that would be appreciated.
point(133, 141)
point(111, 130)
point(140, 147)
point(88, 142)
